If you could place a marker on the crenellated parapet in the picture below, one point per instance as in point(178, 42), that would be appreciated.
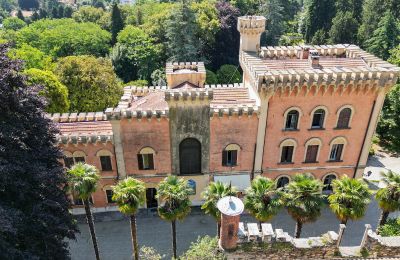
point(251, 24)
point(277, 69)
point(139, 114)
point(189, 96)
point(180, 72)
point(234, 110)
point(77, 117)
point(101, 138)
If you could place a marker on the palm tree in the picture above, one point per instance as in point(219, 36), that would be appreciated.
point(129, 194)
point(303, 200)
point(83, 182)
point(262, 199)
point(389, 196)
point(174, 192)
point(349, 199)
point(214, 192)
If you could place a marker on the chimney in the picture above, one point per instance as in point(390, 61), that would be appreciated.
point(314, 58)
point(305, 51)
point(230, 208)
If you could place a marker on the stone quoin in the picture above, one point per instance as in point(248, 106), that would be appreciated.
point(298, 109)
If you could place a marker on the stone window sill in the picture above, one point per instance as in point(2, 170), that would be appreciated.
point(312, 162)
point(290, 130)
point(285, 163)
point(334, 161)
point(316, 129)
point(341, 128)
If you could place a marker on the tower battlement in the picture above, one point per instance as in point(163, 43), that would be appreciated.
point(251, 24)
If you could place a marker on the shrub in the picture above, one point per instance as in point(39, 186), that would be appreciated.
point(205, 248)
point(391, 228)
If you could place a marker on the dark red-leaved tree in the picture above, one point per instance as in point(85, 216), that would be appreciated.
point(34, 218)
point(226, 47)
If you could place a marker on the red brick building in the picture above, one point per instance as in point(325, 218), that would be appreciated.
point(299, 109)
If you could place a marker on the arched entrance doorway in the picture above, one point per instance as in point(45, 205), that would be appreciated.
point(282, 182)
point(190, 156)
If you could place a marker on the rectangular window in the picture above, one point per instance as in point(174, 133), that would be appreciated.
point(312, 151)
point(109, 194)
point(287, 154)
point(68, 161)
point(229, 158)
point(105, 163)
point(79, 202)
point(145, 161)
point(336, 152)
point(79, 159)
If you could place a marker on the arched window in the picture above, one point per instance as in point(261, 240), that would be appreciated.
point(105, 159)
point(292, 120)
point(282, 182)
point(328, 182)
point(337, 146)
point(71, 158)
point(318, 119)
point(230, 155)
point(190, 156)
point(344, 118)
point(287, 147)
point(312, 150)
point(146, 158)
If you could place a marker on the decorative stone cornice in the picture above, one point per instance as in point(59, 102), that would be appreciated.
point(234, 110)
point(75, 117)
point(85, 138)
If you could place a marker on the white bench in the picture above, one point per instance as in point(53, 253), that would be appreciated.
point(267, 232)
point(253, 230)
point(241, 231)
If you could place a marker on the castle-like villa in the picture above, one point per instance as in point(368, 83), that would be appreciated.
point(299, 109)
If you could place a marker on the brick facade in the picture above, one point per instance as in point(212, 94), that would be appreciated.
point(240, 127)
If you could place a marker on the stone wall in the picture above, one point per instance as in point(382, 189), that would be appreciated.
point(378, 246)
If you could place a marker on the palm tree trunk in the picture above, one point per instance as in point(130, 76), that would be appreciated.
point(134, 237)
point(383, 219)
point(218, 229)
point(299, 226)
point(173, 226)
point(343, 221)
point(89, 218)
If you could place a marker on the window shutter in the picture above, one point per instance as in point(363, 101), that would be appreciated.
point(234, 157)
point(339, 152)
point(311, 155)
point(224, 157)
point(344, 118)
point(151, 162)
point(289, 154)
point(140, 161)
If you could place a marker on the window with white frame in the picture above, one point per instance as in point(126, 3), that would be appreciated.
point(146, 159)
point(337, 147)
point(230, 155)
point(292, 120)
point(312, 150)
point(318, 119)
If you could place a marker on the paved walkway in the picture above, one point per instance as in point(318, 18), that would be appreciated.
point(115, 243)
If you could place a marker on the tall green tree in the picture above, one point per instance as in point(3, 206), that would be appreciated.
point(117, 23)
point(349, 199)
point(389, 124)
point(355, 7)
point(32, 57)
point(385, 37)
point(129, 194)
point(388, 197)
point(91, 82)
point(55, 92)
point(319, 14)
point(344, 28)
point(303, 200)
point(372, 12)
point(262, 199)
point(13, 23)
point(34, 218)
point(65, 37)
point(83, 180)
point(135, 56)
point(182, 43)
point(213, 193)
point(274, 13)
point(174, 193)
